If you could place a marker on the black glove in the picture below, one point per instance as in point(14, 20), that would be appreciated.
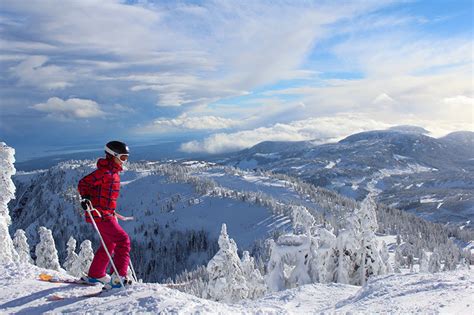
point(85, 201)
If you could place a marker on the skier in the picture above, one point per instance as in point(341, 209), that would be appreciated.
point(101, 190)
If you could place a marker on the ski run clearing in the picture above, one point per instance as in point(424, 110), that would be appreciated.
point(444, 292)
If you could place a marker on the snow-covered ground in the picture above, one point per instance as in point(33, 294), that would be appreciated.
point(445, 292)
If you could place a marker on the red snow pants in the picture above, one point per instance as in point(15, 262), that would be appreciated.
point(118, 244)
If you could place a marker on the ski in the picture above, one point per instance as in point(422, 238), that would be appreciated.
point(54, 279)
point(58, 297)
point(103, 292)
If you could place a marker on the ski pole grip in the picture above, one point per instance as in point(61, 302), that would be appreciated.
point(90, 208)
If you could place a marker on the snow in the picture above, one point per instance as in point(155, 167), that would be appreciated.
point(429, 199)
point(445, 292)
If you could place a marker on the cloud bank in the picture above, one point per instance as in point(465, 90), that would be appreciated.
point(69, 109)
point(324, 129)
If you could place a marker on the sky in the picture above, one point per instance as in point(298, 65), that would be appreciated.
point(221, 76)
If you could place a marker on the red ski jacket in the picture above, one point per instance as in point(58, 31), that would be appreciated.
point(102, 186)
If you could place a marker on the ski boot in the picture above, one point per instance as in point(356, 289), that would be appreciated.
point(115, 283)
point(90, 280)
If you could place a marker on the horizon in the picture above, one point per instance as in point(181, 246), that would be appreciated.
point(222, 76)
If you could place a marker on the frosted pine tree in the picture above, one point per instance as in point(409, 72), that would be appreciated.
point(255, 281)
point(370, 261)
point(399, 260)
point(302, 220)
point(22, 248)
point(324, 259)
point(346, 252)
point(434, 264)
point(71, 254)
point(226, 279)
point(83, 262)
point(290, 251)
point(385, 258)
point(7, 193)
point(423, 262)
point(46, 253)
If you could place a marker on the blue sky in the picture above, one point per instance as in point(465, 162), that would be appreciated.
point(225, 75)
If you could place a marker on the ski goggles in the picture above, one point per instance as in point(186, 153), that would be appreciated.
point(122, 157)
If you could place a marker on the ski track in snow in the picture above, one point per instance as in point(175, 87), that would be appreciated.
point(445, 292)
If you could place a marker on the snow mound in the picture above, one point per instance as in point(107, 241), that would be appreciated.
point(447, 292)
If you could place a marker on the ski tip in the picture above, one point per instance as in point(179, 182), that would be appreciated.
point(45, 277)
point(55, 297)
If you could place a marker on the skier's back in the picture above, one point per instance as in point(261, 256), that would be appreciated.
point(101, 189)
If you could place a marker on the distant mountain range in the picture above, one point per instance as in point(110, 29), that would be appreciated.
point(401, 166)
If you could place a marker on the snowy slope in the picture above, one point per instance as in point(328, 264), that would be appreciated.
point(447, 292)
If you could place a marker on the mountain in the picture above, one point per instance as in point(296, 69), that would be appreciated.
point(402, 166)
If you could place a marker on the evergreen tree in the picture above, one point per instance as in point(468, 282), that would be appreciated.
point(46, 253)
point(385, 258)
point(346, 252)
point(226, 279)
point(370, 261)
point(82, 263)
point(424, 267)
point(434, 264)
point(7, 192)
point(22, 248)
point(323, 264)
point(253, 277)
point(71, 254)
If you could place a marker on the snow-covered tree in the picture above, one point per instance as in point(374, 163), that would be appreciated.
point(71, 254)
point(399, 260)
point(346, 252)
point(302, 220)
point(385, 258)
point(434, 264)
point(226, 278)
point(83, 262)
point(7, 193)
point(290, 251)
point(423, 261)
point(21, 246)
point(324, 259)
point(255, 281)
point(46, 253)
point(370, 261)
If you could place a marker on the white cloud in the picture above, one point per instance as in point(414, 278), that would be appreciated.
point(72, 108)
point(460, 100)
point(185, 122)
point(32, 71)
point(205, 56)
point(322, 129)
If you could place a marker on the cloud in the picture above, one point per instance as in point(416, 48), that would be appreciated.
point(186, 123)
point(204, 55)
point(72, 108)
point(459, 100)
point(33, 71)
point(321, 129)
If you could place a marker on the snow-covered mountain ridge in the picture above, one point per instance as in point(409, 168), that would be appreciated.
point(445, 293)
point(402, 167)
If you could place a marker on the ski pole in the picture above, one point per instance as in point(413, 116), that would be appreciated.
point(89, 209)
point(133, 271)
